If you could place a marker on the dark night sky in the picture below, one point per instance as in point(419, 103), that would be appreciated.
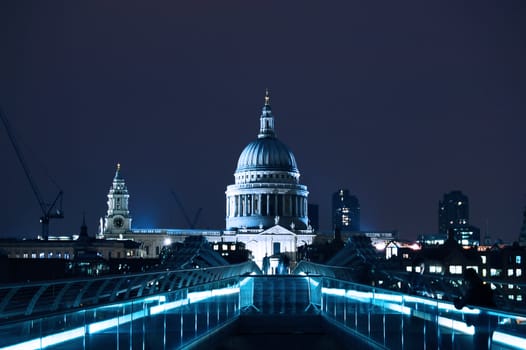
point(398, 101)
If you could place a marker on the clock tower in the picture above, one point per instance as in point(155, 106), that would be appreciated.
point(118, 219)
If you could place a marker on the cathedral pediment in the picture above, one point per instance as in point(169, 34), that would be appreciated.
point(277, 230)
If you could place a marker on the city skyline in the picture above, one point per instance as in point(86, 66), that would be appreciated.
point(399, 103)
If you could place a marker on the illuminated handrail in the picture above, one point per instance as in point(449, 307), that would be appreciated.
point(26, 300)
point(363, 310)
point(428, 285)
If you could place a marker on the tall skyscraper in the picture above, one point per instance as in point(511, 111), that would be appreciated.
point(453, 214)
point(453, 211)
point(345, 211)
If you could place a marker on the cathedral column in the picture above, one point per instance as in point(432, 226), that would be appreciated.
point(295, 205)
point(244, 204)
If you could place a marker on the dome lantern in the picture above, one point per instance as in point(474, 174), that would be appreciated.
point(266, 121)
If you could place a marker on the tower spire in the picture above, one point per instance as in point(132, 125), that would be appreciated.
point(266, 124)
point(118, 171)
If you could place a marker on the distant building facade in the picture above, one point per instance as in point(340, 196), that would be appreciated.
point(345, 211)
point(70, 248)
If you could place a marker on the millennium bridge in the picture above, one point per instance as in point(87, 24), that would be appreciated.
point(238, 307)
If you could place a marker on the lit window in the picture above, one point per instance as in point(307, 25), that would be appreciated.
point(417, 269)
point(455, 269)
point(216, 246)
point(432, 269)
point(484, 273)
point(484, 259)
point(518, 272)
point(233, 247)
point(405, 256)
point(33, 255)
point(519, 297)
point(225, 247)
point(494, 272)
point(518, 259)
point(511, 286)
point(510, 272)
point(511, 297)
point(409, 268)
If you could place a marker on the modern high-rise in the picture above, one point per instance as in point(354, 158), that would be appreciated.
point(345, 211)
point(453, 211)
point(453, 217)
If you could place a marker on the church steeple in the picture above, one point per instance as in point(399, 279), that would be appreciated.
point(118, 219)
point(266, 121)
point(83, 234)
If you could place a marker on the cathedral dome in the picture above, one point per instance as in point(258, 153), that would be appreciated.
point(267, 191)
point(267, 153)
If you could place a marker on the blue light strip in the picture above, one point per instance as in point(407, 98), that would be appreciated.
point(154, 310)
point(509, 340)
point(116, 321)
point(456, 325)
point(49, 340)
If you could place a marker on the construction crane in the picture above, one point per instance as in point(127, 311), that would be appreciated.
point(191, 223)
point(49, 211)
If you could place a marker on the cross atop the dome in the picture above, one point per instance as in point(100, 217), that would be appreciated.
point(267, 97)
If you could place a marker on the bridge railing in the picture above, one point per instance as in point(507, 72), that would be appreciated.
point(18, 301)
point(170, 320)
point(401, 321)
